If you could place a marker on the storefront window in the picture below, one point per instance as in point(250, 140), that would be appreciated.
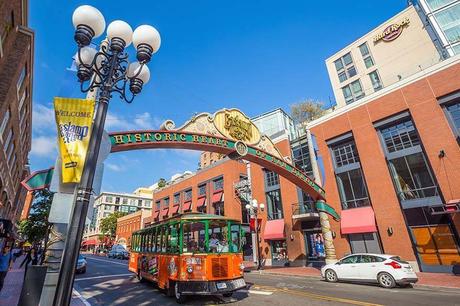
point(279, 252)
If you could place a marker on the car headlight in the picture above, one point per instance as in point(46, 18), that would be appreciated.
point(189, 269)
point(241, 267)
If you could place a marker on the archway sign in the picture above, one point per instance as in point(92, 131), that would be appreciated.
point(228, 132)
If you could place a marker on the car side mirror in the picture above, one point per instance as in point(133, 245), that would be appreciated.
point(338, 263)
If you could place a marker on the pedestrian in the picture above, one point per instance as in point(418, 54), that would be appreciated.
point(31, 258)
point(6, 261)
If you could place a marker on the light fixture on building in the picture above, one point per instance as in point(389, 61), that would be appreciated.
point(390, 231)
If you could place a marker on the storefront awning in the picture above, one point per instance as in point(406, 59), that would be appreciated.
point(164, 212)
point(358, 220)
point(274, 230)
point(89, 242)
point(201, 202)
point(175, 209)
point(187, 206)
point(217, 197)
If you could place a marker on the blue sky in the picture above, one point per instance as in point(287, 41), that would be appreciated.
point(252, 55)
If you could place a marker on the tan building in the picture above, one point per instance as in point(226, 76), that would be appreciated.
point(395, 50)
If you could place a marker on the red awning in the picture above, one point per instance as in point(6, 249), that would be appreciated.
point(164, 212)
point(89, 242)
point(187, 206)
point(217, 197)
point(175, 209)
point(156, 214)
point(358, 220)
point(274, 230)
point(201, 202)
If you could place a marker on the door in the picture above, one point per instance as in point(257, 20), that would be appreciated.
point(369, 267)
point(348, 268)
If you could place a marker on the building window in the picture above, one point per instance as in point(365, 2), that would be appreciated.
point(10, 151)
point(177, 199)
point(5, 121)
point(301, 157)
point(353, 92)
point(375, 80)
point(345, 154)
point(345, 67)
point(148, 203)
point(367, 58)
point(21, 79)
point(274, 205)
point(245, 216)
point(448, 20)
point(125, 201)
point(166, 202)
point(365, 243)
point(406, 161)
point(8, 140)
point(219, 208)
point(139, 202)
point(157, 205)
point(117, 200)
point(108, 199)
point(188, 195)
point(202, 190)
point(348, 174)
point(436, 4)
point(218, 184)
point(453, 115)
point(271, 178)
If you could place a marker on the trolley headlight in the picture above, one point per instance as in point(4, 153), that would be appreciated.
point(241, 267)
point(189, 269)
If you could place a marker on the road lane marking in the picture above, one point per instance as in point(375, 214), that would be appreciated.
point(316, 296)
point(80, 297)
point(260, 292)
point(102, 276)
point(109, 261)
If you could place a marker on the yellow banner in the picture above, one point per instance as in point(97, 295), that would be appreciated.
point(74, 118)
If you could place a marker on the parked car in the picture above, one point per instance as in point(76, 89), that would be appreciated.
point(386, 270)
point(118, 251)
point(81, 264)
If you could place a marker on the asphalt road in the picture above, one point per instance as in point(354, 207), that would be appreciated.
point(108, 282)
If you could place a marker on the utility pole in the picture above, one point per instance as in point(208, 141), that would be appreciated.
point(323, 217)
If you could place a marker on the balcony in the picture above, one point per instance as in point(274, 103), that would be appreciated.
point(304, 212)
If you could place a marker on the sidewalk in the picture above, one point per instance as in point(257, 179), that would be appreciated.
point(425, 279)
point(11, 292)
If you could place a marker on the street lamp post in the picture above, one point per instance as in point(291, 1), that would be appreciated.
point(108, 71)
point(254, 209)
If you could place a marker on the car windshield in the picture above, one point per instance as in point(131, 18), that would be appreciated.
point(398, 259)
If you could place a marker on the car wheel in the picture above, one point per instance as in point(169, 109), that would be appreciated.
point(331, 276)
point(83, 271)
point(180, 298)
point(386, 280)
point(227, 295)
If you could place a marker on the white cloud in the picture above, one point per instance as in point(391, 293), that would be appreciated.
point(43, 118)
point(138, 121)
point(114, 167)
point(44, 146)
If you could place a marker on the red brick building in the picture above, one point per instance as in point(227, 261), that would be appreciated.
point(128, 224)
point(392, 168)
point(16, 69)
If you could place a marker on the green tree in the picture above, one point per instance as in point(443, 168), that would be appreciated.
point(109, 223)
point(36, 226)
point(307, 110)
point(161, 182)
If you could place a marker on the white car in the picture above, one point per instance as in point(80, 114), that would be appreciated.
point(387, 270)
